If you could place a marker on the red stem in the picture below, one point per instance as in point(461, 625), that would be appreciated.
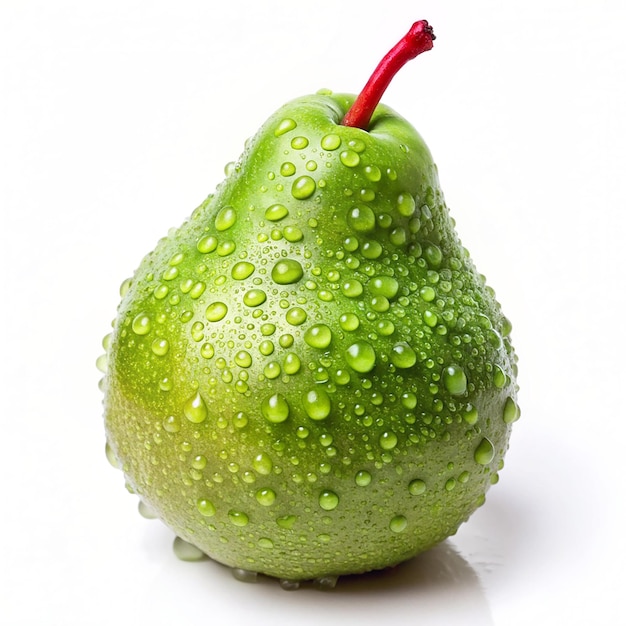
point(419, 39)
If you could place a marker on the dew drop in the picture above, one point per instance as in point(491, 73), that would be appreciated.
point(511, 411)
point(455, 380)
point(287, 169)
point(484, 453)
point(238, 518)
point(398, 523)
point(372, 173)
point(403, 356)
point(361, 357)
point(349, 322)
point(406, 204)
point(350, 158)
point(171, 424)
point(262, 464)
point(292, 234)
point(276, 212)
point(287, 272)
point(285, 126)
point(330, 142)
point(499, 377)
point(383, 286)
point(207, 244)
point(328, 500)
point(141, 324)
point(299, 143)
point(317, 404)
point(265, 497)
point(388, 440)
point(160, 347)
point(186, 551)
point(286, 521)
point(243, 359)
point(318, 336)
point(216, 311)
point(362, 219)
point(296, 316)
point(291, 363)
point(242, 270)
point(254, 297)
point(433, 254)
point(303, 187)
point(195, 409)
point(275, 409)
point(417, 487)
point(352, 288)
point(205, 507)
point(363, 478)
point(225, 218)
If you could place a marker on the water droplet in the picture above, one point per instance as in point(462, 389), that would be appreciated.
point(292, 234)
point(216, 311)
point(362, 219)
point(296, 316)
point(350, 158)
point(403, 356)
point(361, 357)
point(470, 415)
point(317, 404)
point(388, 440)
point(262, 464)
point(102, 363)
point(383, 286)
point(111, 458)
point(207, 351)
point(206, 507)
point(455, 380)
point(433, 254)
point(372, 173)
point(160, 347)
point(371, 250)
point(207, 244)
point(363, 478)
point(417, 487)
point(275, 409)
point(330, 142)
point(266, 347)
point(406, 204)
point(291, 363)
point(427, 294)
point(398, 523)
point(398, 236)
point(287, 272)
point(318, 336)
point(511, 411)
point(265, 497)
point(284, 127)
point(299, 143)
point(349, 322)
point(242, 270)
point(385, 328)
point(265, 543)
point(141, 324)
point(243, 359)
point(225, 218)
point(146, 511)
point(195, 409)
point(499, 377)
point(484, 453)
point(254, 297)
point(303, 187)
point(276, 212)
point(430, 318)
point(171, 424)
point(328, 500)
point(186, 551)
point(287, 169)
point(238, 518)
point(352, 288)
point(286, 521)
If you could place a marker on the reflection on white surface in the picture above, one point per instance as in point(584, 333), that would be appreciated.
point(436, 587)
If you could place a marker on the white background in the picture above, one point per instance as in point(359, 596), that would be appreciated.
point(116, 119)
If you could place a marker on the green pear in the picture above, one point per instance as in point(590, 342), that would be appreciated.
point(309, 377)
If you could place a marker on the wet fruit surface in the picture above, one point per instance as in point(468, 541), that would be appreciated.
point(309, 378)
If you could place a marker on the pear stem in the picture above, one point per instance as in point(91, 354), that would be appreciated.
point(419, 39)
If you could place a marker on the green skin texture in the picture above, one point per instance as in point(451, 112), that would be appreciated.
point(187, 418)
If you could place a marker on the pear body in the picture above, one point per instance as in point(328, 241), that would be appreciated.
point(309, 377)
